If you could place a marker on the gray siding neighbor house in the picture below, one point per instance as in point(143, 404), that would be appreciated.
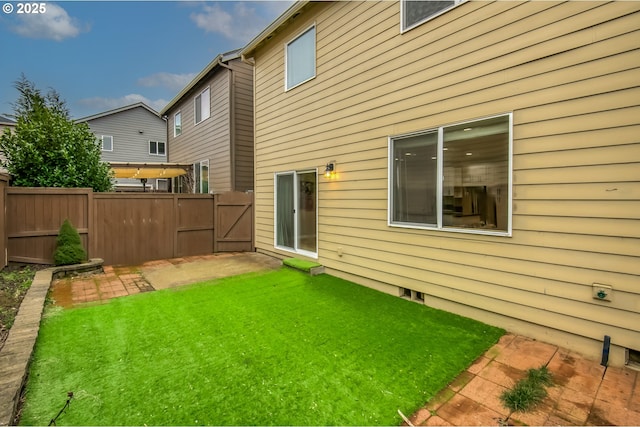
point(5, 122)
point(210, 126)
point(133, 133)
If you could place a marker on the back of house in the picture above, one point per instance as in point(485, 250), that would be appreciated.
point(481, 157)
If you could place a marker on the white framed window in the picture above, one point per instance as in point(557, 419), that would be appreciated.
point(201, 177)
point(107, 142)
point(416, 12)
point(202, 106)
point(300, 58)
point(157, 148)
point(162, 184)
point(177, 124)
point(453, 178)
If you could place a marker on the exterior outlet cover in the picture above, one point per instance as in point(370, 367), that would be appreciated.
point(602, 292)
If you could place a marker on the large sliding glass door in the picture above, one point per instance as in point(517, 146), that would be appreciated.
point(296, 212)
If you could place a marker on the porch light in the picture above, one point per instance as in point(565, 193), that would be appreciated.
point(330, 170)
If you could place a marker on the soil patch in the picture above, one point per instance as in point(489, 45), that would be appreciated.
point(15, 280)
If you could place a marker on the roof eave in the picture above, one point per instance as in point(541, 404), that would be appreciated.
point(223, 57)
point(118, 110)
point(282, 20)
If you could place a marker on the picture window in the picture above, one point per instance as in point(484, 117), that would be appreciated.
point(454, 177)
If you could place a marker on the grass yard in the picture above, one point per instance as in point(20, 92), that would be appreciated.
point(274, 348)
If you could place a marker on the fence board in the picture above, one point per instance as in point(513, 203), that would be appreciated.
point(4, 183)
point(34, 217)
point(194, 231)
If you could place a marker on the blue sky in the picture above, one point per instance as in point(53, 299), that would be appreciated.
point(101, 55)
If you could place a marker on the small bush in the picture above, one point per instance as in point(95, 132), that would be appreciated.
point(69, 248)
point(529, 391)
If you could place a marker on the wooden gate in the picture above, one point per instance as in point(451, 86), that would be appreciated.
point(233, 229)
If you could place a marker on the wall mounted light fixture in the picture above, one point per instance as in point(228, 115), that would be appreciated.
point(330, 170)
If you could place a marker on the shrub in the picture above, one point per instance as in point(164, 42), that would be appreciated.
point(69, 248)
point(529, 391)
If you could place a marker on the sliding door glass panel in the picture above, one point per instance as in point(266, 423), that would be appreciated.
point(285, 211)
point(306, 213)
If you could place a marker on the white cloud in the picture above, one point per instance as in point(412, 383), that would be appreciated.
point(100, 104)
point(240, 23)
point(54, 24)
point(171, 81)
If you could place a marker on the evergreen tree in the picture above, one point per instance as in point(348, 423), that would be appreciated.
point(69, 249)
point(47, 149)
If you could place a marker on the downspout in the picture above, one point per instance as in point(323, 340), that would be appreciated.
point(252, 63)
point(232, 125)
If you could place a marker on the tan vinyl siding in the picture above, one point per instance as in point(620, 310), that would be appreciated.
point(569, 74)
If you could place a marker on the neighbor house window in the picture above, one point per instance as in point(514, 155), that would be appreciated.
point(157, 148)
point(202, 108)
point(454, 177)
point(177, 124)
point(300, 59)
point(415, 12)
point(201, 177)
point(107, 142)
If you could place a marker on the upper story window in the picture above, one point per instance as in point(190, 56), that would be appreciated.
point(107, 142)
point(454, 178)
point(157, 148)
point(202, 106)
point(415, 12)
point(177, 124)
point(300, 58)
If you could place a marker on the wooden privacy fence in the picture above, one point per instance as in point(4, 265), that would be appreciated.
point(127, 228)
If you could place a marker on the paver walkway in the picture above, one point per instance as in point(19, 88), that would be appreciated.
point(584, 392)
point(155, 275)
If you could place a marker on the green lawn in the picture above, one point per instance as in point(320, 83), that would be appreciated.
point(274, 348)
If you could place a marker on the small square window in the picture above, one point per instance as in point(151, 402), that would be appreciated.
point(415, 12)
point(202, 106)
point(177, 124)
point(300, 62)
point(107, 142)
point(157, 148)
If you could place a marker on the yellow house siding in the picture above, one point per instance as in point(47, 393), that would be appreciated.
point(568, 71)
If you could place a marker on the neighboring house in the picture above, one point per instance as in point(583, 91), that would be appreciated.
point(134, 133)
point(210, 125)
point(5, 122)
point(486, 158)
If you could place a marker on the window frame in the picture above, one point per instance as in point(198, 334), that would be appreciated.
point(164, 144)
point(440, 181)
point(288, 87)
point(203, 110)
point(177, 128)
point(102, 143)
point(197, 177)
point(404, 29)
